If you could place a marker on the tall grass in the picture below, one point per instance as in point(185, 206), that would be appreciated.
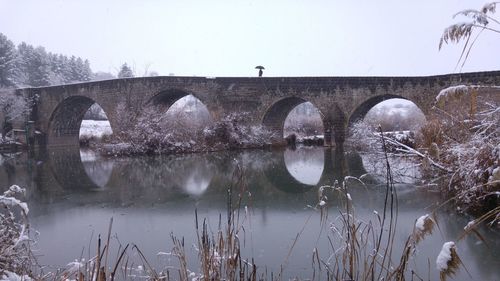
point(364, 250)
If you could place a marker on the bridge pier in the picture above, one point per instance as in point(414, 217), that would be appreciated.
point(334, 126)
point(339, 134)
point(327, 137)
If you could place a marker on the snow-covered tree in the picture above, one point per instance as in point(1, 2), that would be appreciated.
point(125, 71)
point(33, 65)
point(153, 73)
point(12, 106)
point(79, 70)
point(95, 112)
point(86, 71)
point(7, 62)
point(100, 75)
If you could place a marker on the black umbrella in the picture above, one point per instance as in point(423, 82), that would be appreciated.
point(259, 67)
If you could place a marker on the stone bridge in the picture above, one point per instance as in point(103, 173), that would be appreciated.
point(59, 110)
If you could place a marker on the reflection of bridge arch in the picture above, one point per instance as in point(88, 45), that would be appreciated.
point(193, 175)
point(337, 165)
point(68, 169)
point(280, 177)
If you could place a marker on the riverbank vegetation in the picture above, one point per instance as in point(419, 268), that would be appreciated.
point(458, 148)
point(467, 141)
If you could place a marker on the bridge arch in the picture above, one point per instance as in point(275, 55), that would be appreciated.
point(66, 119)
point(275, 116)
point(185, 108)
point(363, 108)
point(167, 97)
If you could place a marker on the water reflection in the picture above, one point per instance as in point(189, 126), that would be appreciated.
point(305, 165)
point(97, 168)
point(190, 174)
point(403, 168)
point(150, 197)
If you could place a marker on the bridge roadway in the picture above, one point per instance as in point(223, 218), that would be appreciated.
point(59, 110)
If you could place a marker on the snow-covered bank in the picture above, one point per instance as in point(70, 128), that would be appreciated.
point(95, 128)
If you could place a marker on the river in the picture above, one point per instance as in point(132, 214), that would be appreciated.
point(72, 195)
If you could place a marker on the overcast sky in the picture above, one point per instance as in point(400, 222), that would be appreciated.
point(229, 38)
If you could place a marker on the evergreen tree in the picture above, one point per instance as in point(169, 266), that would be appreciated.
point(86, 71)
point(34, 65)
point(125, 71)
point(72, 74)
point(56, 69)
point(64, 68)
point(8, 56)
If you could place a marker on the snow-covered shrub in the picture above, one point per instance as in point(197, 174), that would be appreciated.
point(431, 133)
point(469, 144)
point(15, 254)
point(363, 136)
point(232, 132)
point(154, 132)
point(399, 145)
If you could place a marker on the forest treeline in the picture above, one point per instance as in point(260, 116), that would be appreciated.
point(26, 65)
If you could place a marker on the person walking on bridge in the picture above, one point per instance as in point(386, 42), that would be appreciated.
point(260, 67)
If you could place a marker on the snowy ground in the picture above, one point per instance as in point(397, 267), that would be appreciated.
point(95, 128)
